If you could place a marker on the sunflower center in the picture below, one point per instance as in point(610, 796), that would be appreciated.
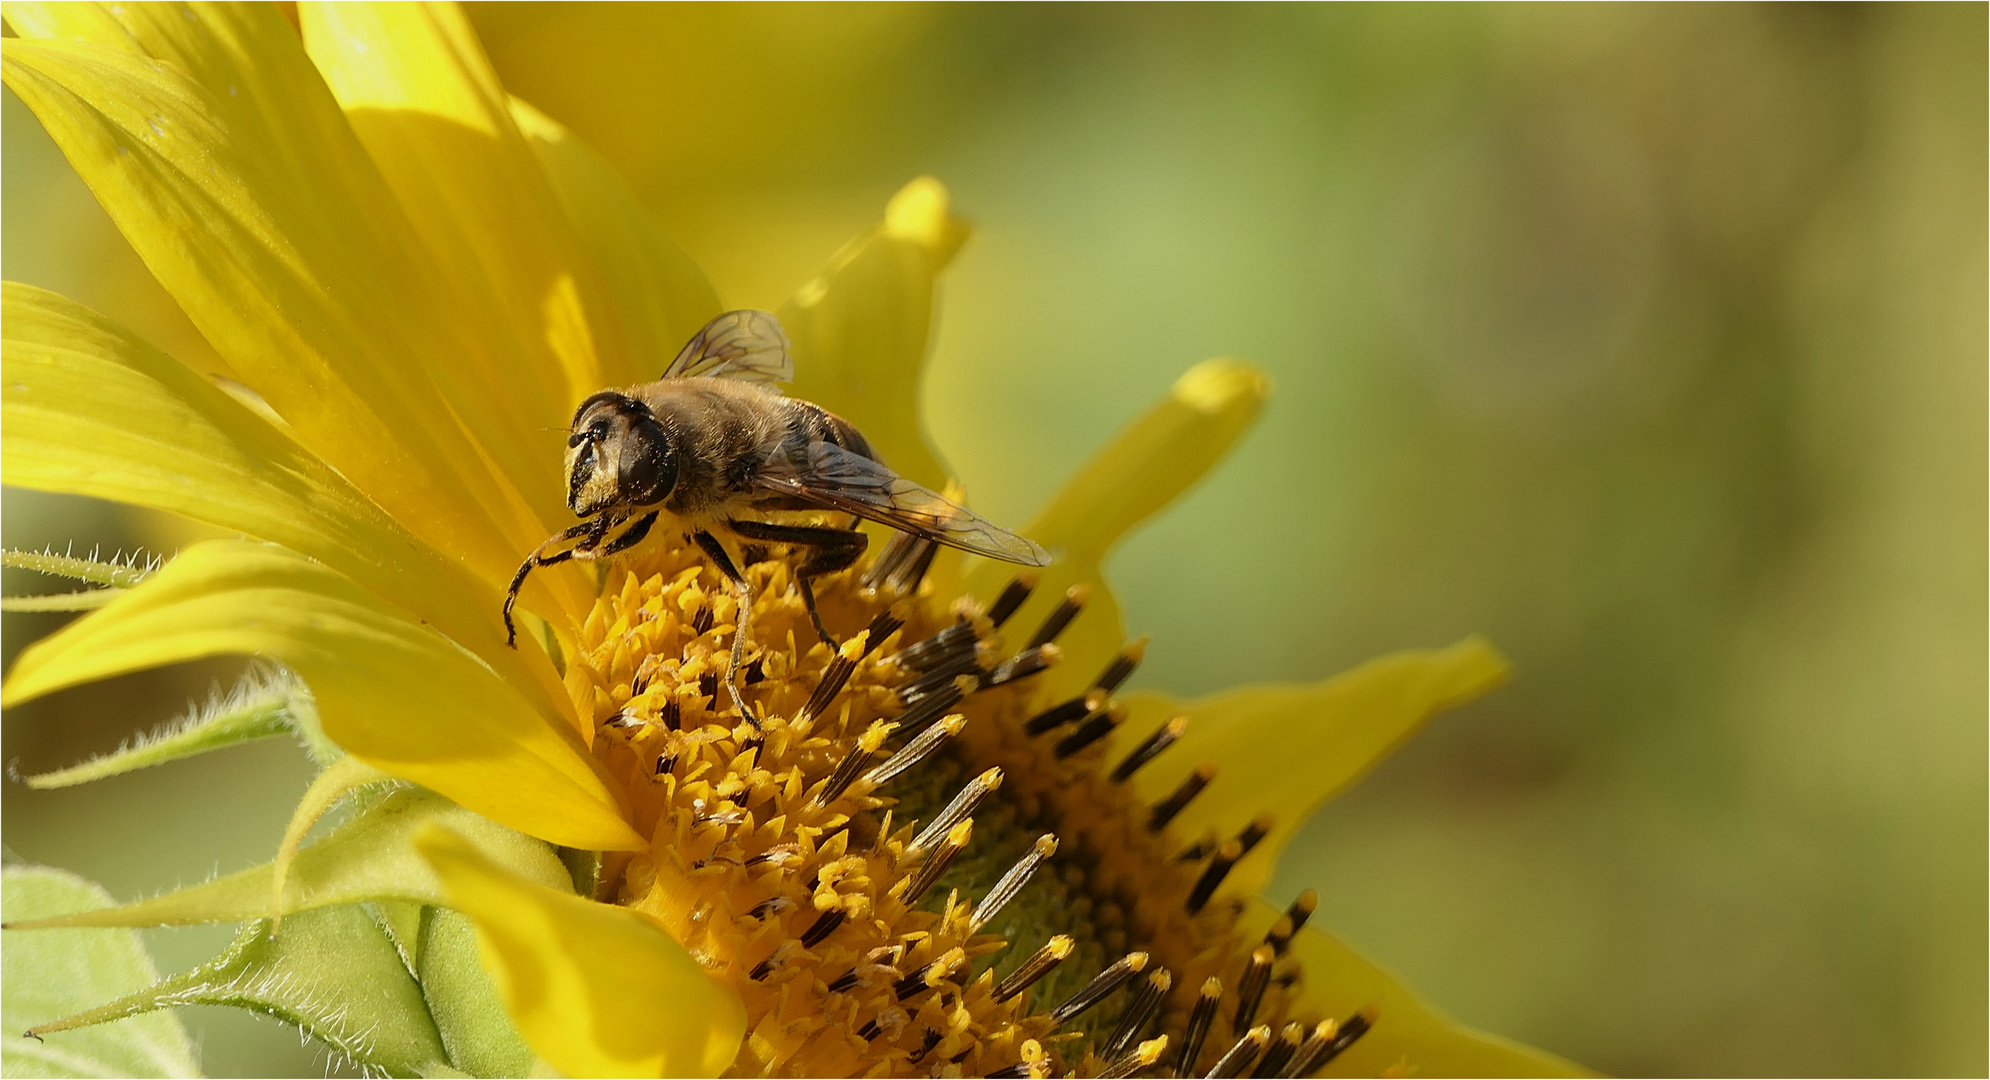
point(906, 861)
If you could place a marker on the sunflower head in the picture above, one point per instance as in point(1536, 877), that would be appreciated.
point(948, 840)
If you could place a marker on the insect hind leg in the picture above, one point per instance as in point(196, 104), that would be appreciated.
point(832, 550)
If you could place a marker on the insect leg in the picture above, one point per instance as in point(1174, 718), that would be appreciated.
point(591, 531)
point(628, 538)
point(833, 550)
point(717, 553)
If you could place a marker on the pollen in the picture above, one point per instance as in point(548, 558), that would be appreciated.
point(906, 861)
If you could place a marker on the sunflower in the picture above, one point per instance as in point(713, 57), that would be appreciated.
point(945, 845)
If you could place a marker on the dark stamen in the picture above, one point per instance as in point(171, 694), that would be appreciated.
point(1294, 918)
point(1355, 1027)
point(1061, 714)
point(960, 662)
point(1036, 967)
point(1198, 1025)
point(1316, 1047)
point(1257, 830)
point(927, 653)
point(1146, 1003)
point(956, 811)
point(937, 863)
point(1122, 666)
point(708, 685)
point(701, 620)
point(883, 625)
point(1103, 984)
point(1013, 595)
point(1090, 731)
point(1212, 875)
point(906, 577)
point(1165, 810)
point(844, 982)
point(835, 676)
point(1282, 1051)
point(1163, 737)
point(853, 763)
point(933, 705)
point(1061, 616)
point(1140, 1058)
point(917, 750)
point(897, 550)
point(774, 960)
point(773, 905)
point(926, 1044)
point(1238, 1059)
point(1024, 664)
point(785, 855)
point(824, 925)
point(1203, 848)
point(1250, 990)
point(672, 715)
point(1012, 883)
point(923, 979)
point(665, 763)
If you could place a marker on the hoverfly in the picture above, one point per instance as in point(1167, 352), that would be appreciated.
point(714, 445)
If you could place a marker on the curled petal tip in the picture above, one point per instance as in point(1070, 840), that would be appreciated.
point(1220, 385)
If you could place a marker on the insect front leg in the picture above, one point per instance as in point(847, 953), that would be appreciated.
point(716, 552)
point(831, 550)
point(603, 546)
point(589, 533)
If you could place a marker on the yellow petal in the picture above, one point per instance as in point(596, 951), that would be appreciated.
point(1284, 750)
point(663, 298)
point(421, 96)
point(596, 990)
point(389, 690)
point(1338, 982)
point(1144, 468)
point(860, 330)
point(90, 409)
point(214, 145)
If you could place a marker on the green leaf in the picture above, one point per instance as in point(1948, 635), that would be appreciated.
point(401, 921)
point(268, 701)
point(330, 972)
point(370, 857)
point(58, 972)
point(464, 1002)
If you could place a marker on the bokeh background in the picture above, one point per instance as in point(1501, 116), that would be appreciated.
point(1648, 340)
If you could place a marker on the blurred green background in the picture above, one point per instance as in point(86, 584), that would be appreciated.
point(1649, 341)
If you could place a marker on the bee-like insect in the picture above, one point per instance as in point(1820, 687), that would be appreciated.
point(713, 444)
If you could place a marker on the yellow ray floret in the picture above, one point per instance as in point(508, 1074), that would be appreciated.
point(389, 690)
point(595, 990)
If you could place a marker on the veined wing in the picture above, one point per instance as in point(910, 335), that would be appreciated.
point(744, 344)
point(836, 479)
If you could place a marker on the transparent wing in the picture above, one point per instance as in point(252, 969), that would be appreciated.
point(836, 479)
point(744, 344)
